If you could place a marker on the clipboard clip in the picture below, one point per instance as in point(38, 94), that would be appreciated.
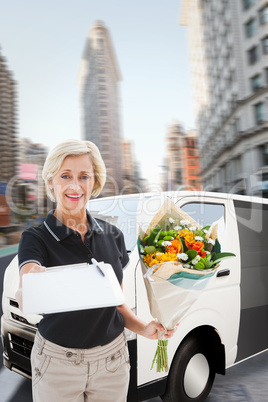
point(97, 265)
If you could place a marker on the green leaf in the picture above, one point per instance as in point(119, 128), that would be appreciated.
point(154, 234)
point(216, 247)
point(183, 247)
point(208, 262)
point(200, 265)
point(222, 256)
point(191, 254)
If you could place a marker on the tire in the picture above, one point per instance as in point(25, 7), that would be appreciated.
point(191, 374)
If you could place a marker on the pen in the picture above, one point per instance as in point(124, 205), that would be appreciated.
point(97, 265)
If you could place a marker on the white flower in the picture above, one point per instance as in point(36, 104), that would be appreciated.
point(171, 220)
point(192, 228)
point(177, 228)
point(159, 253)
point(196, 259)
point(199, 238)
point(211, 241)
point(184, 222)
point(166, 243)
point(205, 231)
point(182, 256)
point(141, 250)
point(208, 252)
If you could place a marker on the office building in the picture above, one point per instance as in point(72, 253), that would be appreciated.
point(228, 42)
point(8, 124)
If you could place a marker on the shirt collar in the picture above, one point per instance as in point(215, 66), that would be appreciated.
point(59, 231)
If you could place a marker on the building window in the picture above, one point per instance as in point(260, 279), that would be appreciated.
point(101, 71)
point(265, 154)
point(265, 45)
point(266, 75)
point(102, 87)
point(260, 113)
point(247, 3)
point(250, 28)
point(264, 15)
point(101, 79)
point(256, 82)
point(253, 55)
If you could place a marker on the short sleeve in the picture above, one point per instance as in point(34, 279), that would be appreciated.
point(125, 257)
point(31, 249)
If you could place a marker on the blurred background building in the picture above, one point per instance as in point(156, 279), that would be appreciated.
point(174, 156)
point(22, 194)
point(182, 163)
point(98, 81)
point(191, 161)
point(132, 182)
point(228, 42)
point(30, 192)
point(8, 136)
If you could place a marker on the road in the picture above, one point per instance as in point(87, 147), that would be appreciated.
point(244, 382)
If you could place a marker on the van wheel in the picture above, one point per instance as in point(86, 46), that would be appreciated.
point(191, 374)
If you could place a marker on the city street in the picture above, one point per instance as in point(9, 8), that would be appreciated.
point(244, 382)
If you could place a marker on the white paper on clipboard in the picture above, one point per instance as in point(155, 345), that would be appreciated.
point(70, 288)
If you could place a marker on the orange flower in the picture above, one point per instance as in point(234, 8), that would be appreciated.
point(198, 246)
point(175, 247)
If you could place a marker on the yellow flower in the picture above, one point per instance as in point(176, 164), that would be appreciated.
point(156, 258)
point(187, 234)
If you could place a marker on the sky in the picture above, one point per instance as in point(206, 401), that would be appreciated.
point(43, 42)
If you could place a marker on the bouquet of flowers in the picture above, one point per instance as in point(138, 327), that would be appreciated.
point(178, 257)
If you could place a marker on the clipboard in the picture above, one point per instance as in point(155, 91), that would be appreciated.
point(70, 288)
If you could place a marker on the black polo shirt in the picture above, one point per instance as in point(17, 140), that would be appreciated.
point(53, 244)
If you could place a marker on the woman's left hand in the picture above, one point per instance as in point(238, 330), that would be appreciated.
point(151, 330)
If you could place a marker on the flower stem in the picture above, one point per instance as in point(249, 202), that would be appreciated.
point(161, 357)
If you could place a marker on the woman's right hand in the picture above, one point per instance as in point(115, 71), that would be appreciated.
point(36, 269)
point(31, 267)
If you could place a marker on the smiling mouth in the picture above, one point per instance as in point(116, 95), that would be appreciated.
point(74, 197)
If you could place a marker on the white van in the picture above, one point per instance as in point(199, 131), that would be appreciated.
point(228, 322)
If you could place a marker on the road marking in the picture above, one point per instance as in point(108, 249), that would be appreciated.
point(9, 383)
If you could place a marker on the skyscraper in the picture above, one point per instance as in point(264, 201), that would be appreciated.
point(229, 63)
point(8, 123)
point(98, 80)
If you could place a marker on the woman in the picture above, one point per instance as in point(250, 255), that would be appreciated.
point(79, 355)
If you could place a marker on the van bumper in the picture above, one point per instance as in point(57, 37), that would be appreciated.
point(17, 343)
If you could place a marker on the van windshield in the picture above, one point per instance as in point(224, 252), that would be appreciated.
point(121, 212)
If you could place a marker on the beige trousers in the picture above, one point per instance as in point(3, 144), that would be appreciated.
point(100, 374)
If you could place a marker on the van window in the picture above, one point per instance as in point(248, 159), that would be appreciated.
point(204, 213)
point(121, 212)
point(252, 222)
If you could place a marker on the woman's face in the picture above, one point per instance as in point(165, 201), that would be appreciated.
point(74, 182)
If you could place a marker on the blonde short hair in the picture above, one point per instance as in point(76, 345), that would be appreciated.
point(73, 147)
